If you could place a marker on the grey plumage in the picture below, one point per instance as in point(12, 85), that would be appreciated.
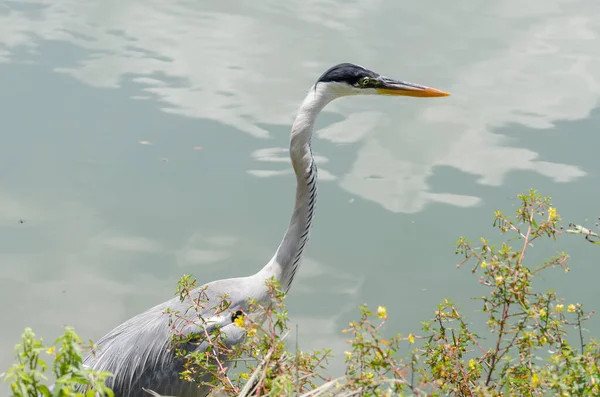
point(140, 351)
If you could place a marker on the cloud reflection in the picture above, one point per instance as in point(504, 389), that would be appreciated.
point(224, 64)
point(549, 74)
point(281, 155)
point(131, 243)
point(200, 250)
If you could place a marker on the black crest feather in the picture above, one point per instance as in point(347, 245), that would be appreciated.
point(346, 73)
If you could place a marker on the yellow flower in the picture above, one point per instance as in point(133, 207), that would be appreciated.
point(543, 340)
point(542, 312)
point(369, 375)
point(245, 376)
point(559, 308)
point(499, 280)
point(472, 364)
point(411, 338)
point(51, 350)
point(382, 312)
point(571, 308)
point(552, 214)
point(239, 321)
point(535, 380)
point(483, 265)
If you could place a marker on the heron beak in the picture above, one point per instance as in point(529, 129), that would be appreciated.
point(397, 87)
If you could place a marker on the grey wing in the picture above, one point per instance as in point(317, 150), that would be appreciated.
point(140, 355)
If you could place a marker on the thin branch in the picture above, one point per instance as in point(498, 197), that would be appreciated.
point(248, 386)
point(323, 388)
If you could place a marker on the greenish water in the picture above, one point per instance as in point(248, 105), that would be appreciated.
point(142, 140)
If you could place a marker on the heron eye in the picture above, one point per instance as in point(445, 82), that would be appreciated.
point(365, 81)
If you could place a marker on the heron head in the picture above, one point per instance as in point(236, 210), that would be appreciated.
point(350, 79)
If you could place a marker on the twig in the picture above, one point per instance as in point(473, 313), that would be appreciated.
point(250, 383)
point(323, 388)
point(152, 392)
point(580, 331)
point(498, 342)
point(297, 363)
point(578, 229)
point(216, 356)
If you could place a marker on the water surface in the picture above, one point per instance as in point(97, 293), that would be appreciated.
point(143, 140)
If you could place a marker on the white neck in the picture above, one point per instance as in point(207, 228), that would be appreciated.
point(288, 257)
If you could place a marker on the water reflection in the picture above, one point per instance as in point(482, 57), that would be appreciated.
point(281, 155)
point(200, 250)
point(247, 65)
point(225, 63)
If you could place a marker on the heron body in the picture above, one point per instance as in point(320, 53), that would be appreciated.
point(138, 352)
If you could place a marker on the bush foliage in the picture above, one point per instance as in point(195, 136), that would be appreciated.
point(534, 343)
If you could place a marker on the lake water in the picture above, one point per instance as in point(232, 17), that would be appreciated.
point(142, 140)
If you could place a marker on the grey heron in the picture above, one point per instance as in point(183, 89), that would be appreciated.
point(138, 351)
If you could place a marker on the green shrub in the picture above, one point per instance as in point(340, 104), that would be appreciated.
point(529, 353)
point(28, 375)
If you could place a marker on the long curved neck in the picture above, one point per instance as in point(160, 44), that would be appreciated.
point(288, 257)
